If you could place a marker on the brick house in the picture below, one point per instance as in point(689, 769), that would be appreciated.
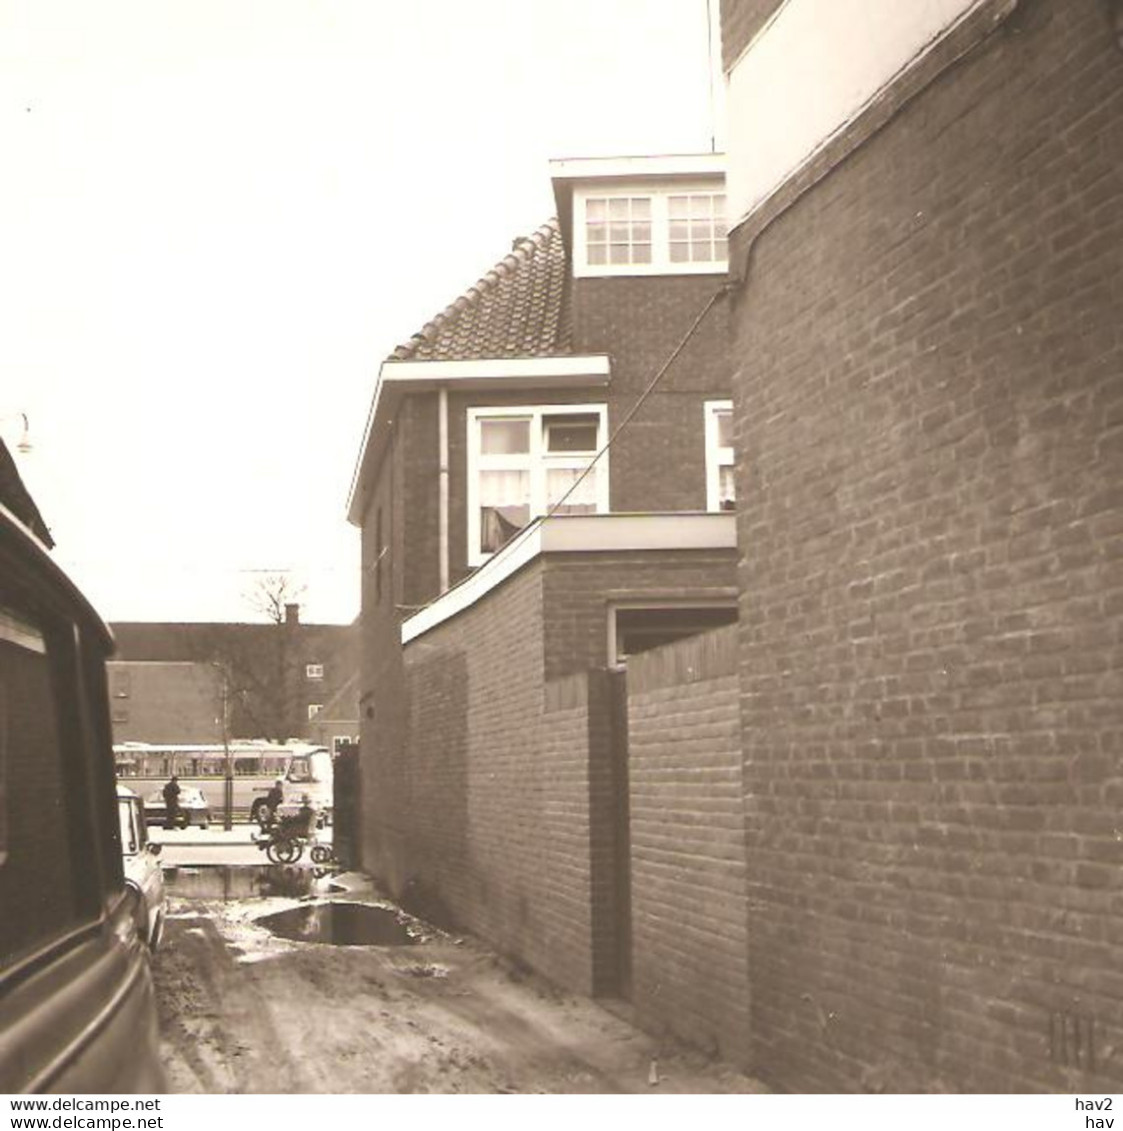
point(165, 701)
point(494, 776)
point(279, 680)
point(928, 359)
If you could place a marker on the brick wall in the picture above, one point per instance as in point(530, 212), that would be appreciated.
point(580, 589)
point(930, 641)
point(688, 884)
point(659, 461)
point(474, 805)
point(489, 791)
point(165, 702)
point(381, 715)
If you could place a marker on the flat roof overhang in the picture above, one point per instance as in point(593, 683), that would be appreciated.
point(635, 167)
point(578, 534)
point(399, 378)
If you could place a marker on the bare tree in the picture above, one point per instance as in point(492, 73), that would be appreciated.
point(259, 661)
point(272, 593)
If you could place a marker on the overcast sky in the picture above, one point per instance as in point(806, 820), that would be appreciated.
point(217, 216)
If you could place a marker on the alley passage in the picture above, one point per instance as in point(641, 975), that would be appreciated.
point(243, 1010)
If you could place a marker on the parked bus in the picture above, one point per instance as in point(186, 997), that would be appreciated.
point(254, 767)
point(77, 1007)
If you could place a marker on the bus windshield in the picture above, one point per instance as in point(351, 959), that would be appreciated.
point(314, 766)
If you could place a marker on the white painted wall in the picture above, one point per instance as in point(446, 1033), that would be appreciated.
point(810, 72)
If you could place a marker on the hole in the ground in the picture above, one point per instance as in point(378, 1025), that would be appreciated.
point(341, 924)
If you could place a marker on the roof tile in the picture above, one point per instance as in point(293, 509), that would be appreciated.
point(520, 308)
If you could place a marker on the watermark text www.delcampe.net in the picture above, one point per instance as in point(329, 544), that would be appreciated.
point(115, 1121)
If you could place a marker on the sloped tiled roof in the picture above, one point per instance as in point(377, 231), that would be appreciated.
point(520, 308)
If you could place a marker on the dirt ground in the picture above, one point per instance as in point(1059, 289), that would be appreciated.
point(242, 1010)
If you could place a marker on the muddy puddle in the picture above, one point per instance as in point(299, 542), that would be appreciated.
point(340, 924)
point(234, 881)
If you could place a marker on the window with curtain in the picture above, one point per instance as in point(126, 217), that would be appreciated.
point(721, 494)
point(525, 461)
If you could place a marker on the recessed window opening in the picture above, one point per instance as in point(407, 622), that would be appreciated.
point(640, 628)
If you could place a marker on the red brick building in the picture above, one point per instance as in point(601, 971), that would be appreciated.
point(494, 748)
point(928, 359)
point(165, 701)
point(279, 681)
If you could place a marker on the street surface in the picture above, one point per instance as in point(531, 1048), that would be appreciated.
point(213, 846)
point(243, 1010)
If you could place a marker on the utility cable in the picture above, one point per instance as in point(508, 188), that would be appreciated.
point(628, 416)
point(660, 373)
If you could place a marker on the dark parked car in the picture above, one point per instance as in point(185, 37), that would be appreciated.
point(77, 1008)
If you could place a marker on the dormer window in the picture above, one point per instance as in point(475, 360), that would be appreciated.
point(677, 229)
point(696, 227)
point(618, 229)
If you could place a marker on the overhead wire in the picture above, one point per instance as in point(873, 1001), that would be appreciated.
point(648, 390)
point(660, 373)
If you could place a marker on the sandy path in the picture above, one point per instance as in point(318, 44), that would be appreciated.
point(244, 1011)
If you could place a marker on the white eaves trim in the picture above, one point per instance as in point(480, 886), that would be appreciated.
point(669, 165)
point(577, 534)
point(589, 369)
point(499, 369)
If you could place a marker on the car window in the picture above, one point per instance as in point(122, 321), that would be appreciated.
point(141, 824)
point(39, 874)
point(130, 839)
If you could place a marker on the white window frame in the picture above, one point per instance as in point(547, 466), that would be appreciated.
point(314, 710)
point(717, 456)
point(313, 671)
point(536, 458)
point(631, 222)
point(659, 196)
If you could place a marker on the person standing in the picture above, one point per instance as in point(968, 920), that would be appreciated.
point(171, 803)
point(274, 798)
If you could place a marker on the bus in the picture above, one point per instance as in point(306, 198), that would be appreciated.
point(254, 767)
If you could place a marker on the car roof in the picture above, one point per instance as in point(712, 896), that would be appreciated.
point(124, 791)
point(24, 542)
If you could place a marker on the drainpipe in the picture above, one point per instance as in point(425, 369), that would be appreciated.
point(442, 489)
